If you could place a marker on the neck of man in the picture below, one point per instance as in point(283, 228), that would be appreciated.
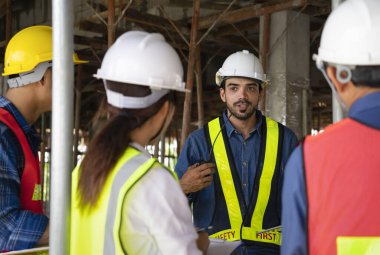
point(359, 92)
point(25, 102)
point(243, 126)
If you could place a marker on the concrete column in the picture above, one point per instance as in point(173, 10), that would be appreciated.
point(288, 70)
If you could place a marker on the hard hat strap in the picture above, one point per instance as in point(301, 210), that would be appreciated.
point(322, 67)
point(29, 77)
point(120, 101)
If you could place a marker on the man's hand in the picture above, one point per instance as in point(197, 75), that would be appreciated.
point(197, 177)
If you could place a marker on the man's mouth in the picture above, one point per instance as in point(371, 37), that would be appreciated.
point(242, 105)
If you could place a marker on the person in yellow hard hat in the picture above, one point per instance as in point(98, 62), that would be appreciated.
point(28, 62)
point(123, 201)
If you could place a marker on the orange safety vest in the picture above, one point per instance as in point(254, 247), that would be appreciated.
point(342, 172)
point(30, 192)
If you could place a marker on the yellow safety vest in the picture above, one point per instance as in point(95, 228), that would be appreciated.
point(238, 231)
point(96, 230)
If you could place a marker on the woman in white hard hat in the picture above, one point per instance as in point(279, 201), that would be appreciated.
point(124, 201)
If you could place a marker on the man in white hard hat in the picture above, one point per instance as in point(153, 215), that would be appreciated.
point(331, 189)
point(247, 151)
point(27, 64)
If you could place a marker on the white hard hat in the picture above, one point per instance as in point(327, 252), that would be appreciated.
point(351, 35)
point(241, 64)
point(141, 58)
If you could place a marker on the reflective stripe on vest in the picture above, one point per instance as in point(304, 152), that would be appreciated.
point(96, 230)
point(255, 232)
point(342, 182)
point(358, 245)
point(30, 191)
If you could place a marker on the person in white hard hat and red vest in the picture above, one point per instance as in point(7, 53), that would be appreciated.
point(331, 189)
point(123, 200)
point(247, 151)
point(28, 62)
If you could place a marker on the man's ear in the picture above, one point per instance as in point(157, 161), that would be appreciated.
point(43, 79)
point(331, 73)
point(222, 94)
point(261, 93)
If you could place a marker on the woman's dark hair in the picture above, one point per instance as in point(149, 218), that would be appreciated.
point(111, 141)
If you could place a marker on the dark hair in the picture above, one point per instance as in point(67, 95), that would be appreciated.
point(368, 76)
point(111, 141)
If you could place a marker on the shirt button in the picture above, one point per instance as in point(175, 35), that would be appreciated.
point(244, 163)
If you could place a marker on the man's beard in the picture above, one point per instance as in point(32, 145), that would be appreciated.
point(242, 115)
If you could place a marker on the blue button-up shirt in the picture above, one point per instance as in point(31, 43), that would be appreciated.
point(367, 111)
point(18, 229)
point(245, 152)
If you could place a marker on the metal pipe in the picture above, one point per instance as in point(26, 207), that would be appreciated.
point(190, 73)
point(62, 126)
point(337, 110)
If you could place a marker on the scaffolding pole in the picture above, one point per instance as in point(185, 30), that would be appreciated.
point(337, 110)
point(62, 126)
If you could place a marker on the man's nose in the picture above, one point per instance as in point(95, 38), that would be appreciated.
point(243, 93)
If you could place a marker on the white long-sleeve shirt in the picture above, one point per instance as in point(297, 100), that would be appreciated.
point(157, 218)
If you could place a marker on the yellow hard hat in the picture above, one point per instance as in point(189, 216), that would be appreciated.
point(28, 48)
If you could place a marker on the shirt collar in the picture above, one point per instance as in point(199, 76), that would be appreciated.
point(230, 129)
point(140, 148)
point(366, 109)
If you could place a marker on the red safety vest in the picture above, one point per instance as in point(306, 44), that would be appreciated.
point(30, 192)
point(342, 169)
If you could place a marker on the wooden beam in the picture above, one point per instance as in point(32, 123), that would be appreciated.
point(190, 73)
point(264, 49)
point(251, 12)
point(206, 5)
point(133, 15)
point(111, 22)
point(247, 25)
